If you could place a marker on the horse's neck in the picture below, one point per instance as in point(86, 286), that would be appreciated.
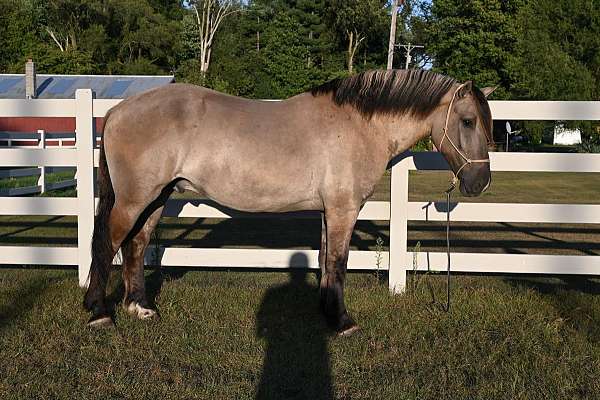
point(403, 131)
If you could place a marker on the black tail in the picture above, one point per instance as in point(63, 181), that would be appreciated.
point(102, 251)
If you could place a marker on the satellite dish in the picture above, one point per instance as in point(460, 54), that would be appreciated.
point(508, 128)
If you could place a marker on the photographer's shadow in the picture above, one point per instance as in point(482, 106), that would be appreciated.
point(296, 363)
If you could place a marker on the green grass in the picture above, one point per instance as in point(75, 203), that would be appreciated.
point(244, 335)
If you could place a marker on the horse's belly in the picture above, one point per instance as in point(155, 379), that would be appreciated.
point(259, 198)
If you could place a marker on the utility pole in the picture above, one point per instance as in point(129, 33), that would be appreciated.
point(392, 42)
point(408, 48)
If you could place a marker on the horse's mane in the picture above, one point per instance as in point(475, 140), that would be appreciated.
point(389, 91)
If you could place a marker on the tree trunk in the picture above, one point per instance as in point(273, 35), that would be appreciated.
point(354, 40)
point(209, 20)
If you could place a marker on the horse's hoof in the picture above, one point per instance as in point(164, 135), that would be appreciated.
point(349, 331)
point(136, 310)
point(101, 322)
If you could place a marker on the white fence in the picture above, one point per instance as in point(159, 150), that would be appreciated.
point(398, 211)
point(12, 140)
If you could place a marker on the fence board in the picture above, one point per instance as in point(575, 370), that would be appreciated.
point(84, 128)
point(41, 157)
point(546, 110)
point(509, 263)
point(260, 258)
point(61, 185)
point(37, 108)
point(20, 191)
point(506, 212)
point(101, 106)
point(38, 206)
point(22, 255)
point(515, 162)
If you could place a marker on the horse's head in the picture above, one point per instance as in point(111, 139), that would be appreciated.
point(463, 133)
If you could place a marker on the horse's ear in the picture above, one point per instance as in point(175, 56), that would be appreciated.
point(466, 89)
point(488, 90)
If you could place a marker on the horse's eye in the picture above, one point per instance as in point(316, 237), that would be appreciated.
point(468, 123)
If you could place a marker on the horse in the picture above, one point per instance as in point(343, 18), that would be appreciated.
point(324, 149)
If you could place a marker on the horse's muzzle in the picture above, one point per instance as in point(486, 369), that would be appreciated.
point(475, 179)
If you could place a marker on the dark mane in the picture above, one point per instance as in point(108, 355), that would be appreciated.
point(389, 91)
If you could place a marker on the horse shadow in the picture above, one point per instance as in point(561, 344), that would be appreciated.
point(296, 361)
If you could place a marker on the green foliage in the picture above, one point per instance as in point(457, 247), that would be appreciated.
point(559, 56)
point(474, 40)
point(92, 36)
point(532, 49)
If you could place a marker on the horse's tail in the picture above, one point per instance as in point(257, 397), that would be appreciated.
point(102, 251)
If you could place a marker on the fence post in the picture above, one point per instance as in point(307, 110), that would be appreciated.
point(84, 133)
point(398, 226)
point(42, 145)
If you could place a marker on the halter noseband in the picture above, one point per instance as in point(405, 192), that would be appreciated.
point(467, 160)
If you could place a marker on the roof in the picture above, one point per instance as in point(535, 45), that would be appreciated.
point(12, 86)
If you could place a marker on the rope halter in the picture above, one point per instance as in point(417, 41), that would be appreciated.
point(467, 160)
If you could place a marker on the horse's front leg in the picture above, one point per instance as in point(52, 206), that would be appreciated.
point(339, 226)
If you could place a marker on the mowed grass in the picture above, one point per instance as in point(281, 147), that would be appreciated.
point(246, 335)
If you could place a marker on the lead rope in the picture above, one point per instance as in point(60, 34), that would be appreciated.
point(448, 192)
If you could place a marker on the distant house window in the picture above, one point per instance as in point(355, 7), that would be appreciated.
point(118, 88)
point(61, 86)
point(6, 84)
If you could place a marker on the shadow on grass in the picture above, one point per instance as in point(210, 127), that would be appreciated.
point(570, 296)
point(296, 363)
point(28, 225)
point(155, 280)
point(22, 299)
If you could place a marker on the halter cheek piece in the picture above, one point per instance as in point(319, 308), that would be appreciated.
point(467, 160)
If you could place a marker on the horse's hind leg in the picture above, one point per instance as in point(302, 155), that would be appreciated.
point(339, 226)
point(120, 221)
point(134, 301)
point(323, 248)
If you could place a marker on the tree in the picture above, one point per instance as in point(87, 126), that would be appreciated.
point(209, 16)
point(356, 20)
point(474, 40)
point(558, 51)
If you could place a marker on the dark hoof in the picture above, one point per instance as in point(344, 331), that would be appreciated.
point(101, 322)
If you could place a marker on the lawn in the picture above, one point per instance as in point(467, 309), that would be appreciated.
point(244, 335)
point(247, 334)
